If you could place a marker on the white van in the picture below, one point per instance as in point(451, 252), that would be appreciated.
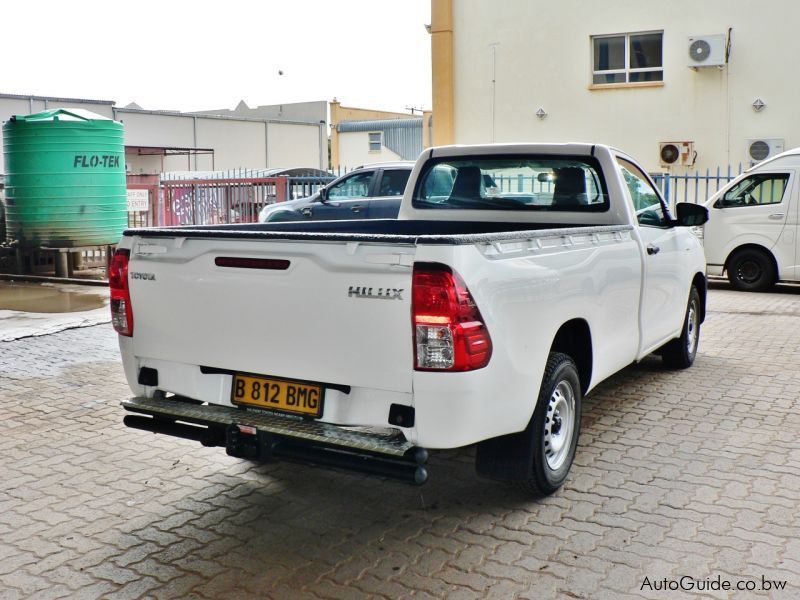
point(753, 227)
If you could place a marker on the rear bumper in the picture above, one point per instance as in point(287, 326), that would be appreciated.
point(262, 435)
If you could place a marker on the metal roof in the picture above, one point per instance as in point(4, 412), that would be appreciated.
point(246, 173)
point(56, 99)
point(379, 124)
point(401, 136)
point(175, 113)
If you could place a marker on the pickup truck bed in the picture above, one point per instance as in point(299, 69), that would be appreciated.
point(375, 230)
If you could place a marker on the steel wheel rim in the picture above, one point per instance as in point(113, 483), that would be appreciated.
point(559, 423)
point(749, 271)
point(692, 326)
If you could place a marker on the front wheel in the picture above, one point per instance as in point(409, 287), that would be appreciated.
point(751, 270)
point(555, 426)
point(680, 352)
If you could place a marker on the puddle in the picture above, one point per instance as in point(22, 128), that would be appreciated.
point(50, 298)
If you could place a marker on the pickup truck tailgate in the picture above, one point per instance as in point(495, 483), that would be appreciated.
point(328, 311)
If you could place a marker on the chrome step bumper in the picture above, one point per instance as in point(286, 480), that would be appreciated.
point(256, 434)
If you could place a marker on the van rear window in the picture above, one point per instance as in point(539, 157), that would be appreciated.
point(551, 183)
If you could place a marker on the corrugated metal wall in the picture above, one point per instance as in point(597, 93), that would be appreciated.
point(402, 136)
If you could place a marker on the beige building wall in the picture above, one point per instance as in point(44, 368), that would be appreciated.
point(442, 72)
point(291, 145)
point(354, 149)
point(542, 59)
point(235, 143)
point(147, 129)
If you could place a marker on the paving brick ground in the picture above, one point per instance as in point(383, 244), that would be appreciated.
point(693, 473)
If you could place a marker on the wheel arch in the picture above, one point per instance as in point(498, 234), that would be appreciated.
point(574, 338)
point(758, 248)
point(701, 283)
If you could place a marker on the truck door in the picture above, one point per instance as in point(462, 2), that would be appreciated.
point(793, 226)
point(665, 280)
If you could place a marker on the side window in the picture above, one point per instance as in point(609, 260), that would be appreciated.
point(757, 190)
point(646, 202)
point(393, 183)
point(355, 186)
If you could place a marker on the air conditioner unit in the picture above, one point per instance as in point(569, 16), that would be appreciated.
point(761, 149)
point(707, 50)
point(676, 153)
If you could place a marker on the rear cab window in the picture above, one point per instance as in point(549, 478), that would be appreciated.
point(535, 183)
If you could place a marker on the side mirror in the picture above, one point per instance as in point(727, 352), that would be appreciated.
point(690, 215)
point(323, 194)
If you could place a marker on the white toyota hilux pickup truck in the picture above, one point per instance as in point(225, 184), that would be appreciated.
point(515, 279)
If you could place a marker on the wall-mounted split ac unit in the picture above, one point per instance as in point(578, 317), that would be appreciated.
point(676, 153)
point(707, 50)
point(761, 149)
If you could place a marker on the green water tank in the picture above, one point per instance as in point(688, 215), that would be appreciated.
point(64, 179)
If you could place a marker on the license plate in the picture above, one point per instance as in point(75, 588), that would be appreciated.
point(277, 394)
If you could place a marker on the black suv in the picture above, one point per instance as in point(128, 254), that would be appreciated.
point(368, 192)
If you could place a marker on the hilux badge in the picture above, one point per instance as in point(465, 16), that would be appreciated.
point(376, 293)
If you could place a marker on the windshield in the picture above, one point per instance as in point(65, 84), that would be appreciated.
point(558, 183)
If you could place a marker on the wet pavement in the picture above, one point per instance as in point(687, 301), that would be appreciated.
point(689, 476)
point(33, 309)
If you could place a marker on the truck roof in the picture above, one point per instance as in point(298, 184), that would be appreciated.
point(573, 148)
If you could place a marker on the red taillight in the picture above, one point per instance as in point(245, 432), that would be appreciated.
point(121, 311)
point(449, 332)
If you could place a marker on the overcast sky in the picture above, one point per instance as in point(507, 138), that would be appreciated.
point(193, 56)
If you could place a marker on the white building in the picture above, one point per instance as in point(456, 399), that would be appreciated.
point(160, 141)
point(713, 77)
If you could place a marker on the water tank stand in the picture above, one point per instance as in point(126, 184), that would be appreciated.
point(65, 261)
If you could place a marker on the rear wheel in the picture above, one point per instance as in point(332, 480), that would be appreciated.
point(751, 270)
point(538, 459)
point(555, 426)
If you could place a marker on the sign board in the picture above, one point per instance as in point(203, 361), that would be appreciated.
point(138, 200)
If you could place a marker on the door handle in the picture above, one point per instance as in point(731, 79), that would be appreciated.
point(306, 211)
point(777, 216)
point(356, 208)
point(651, 249)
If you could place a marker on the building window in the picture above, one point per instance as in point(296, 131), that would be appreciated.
point(627, 58)
point(375, 142)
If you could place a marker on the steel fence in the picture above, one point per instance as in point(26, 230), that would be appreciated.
point(238, 196)
point(216, 199)
point(697, 187)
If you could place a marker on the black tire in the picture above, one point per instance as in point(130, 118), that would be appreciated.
point(751, 270)
point(680, 352)
point(554, 407)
